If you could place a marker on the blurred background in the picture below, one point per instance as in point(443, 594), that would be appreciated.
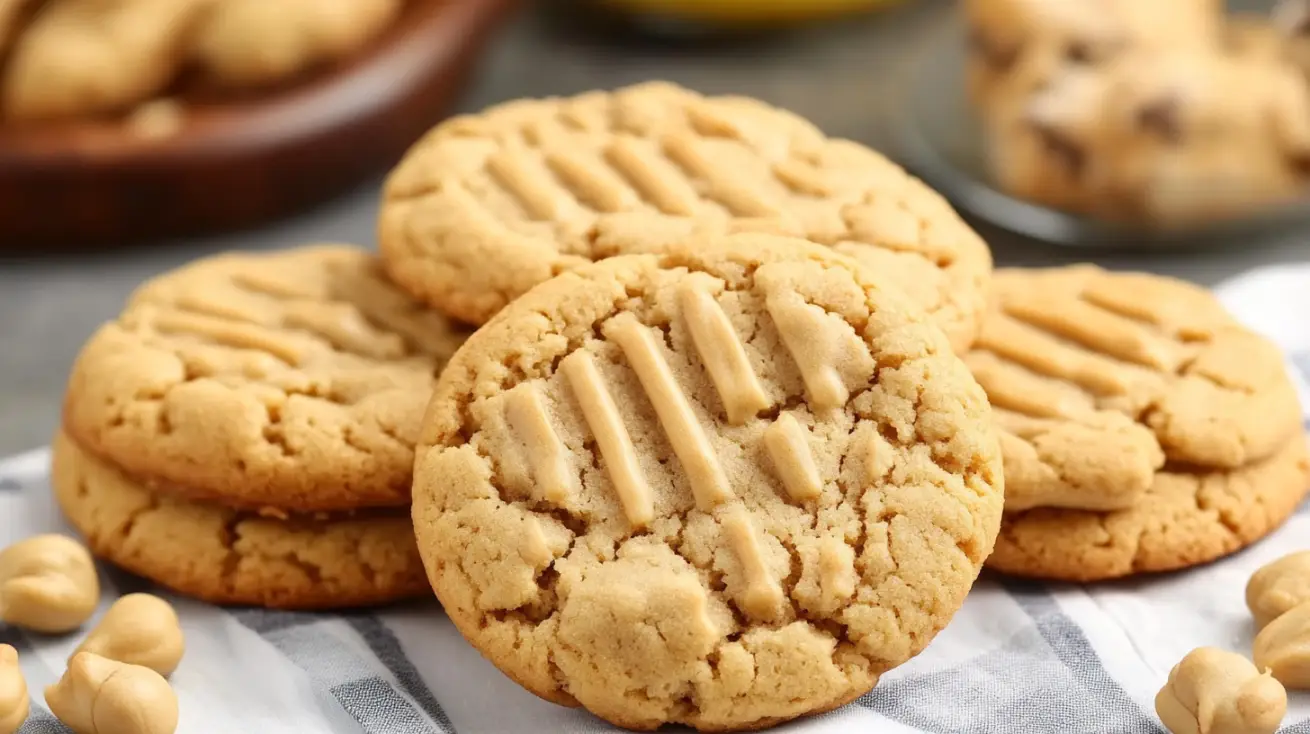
point(95, 199)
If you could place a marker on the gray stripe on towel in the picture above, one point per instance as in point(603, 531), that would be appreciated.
point(350, 682)
point(1045, 678)
point(383, 642)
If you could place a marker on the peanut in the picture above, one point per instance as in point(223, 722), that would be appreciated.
point(101, 696)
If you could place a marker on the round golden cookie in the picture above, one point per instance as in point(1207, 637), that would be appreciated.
point(484, 207)
point(226, 556)
point(292, 379)
point(1185, 518)
point(725, 486)
point(1097, 378)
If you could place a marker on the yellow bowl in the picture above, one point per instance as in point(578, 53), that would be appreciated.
point(747, 12)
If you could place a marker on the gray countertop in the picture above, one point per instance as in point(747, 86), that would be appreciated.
point(841, 76)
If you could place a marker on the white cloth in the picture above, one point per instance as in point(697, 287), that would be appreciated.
point(1019, 657)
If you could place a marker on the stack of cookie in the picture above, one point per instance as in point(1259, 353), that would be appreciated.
point(243, 432)
point(654, 436)
point(485, 207)
point(720, 450)
point(1163, 113)
point(711, 458)
point(1143, 429)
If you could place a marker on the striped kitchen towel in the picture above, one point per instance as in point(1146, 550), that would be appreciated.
point(1020, 657)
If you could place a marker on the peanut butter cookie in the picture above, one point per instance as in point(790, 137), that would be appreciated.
point(225, 556)
point(82, 57)
point(485, 207)
point(726, 485)
point(1096, 378)
point(293, 379)
point(255, 42)
point(1184, 519)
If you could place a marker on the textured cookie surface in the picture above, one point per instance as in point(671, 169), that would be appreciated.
point(1096, 378)
point(294, 379)
point(486, 206)
point(228, 557)
point(1183, 520)
point(727, 485)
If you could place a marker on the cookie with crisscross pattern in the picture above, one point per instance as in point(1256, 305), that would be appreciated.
point(488, 205)
point(292, 379)
point(1097, 378)
point(726, 485)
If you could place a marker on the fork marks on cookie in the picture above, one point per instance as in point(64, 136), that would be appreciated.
point(591, 181)
point(690, 444)
point(739, 196)
point(653, 176)
point(762, 598)
point(723, 354)
point(546, 454)
point(787, 442)
point(602, 417)
point(827, 359)
point(235, 334)
point(1037, 350)
point(531, 185)
point(818, 347)
point(1075, 342)
point(650, 148)
point(1093, 327)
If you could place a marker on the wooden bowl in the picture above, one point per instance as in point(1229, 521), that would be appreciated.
point(235, 163)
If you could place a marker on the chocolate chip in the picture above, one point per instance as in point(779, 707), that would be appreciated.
point(1300, 163)
point(1160, 118)
point(1091, 53)
point(999, 57)
point(1078, 52)
point(1066, 152)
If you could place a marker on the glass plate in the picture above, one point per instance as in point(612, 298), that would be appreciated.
point(937, 136)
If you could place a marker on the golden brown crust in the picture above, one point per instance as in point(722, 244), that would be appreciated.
point(294, 379)
point(485, 207)
point(225, 556)
point(727, 485)
point(1097, 378)
point(1184, 519)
